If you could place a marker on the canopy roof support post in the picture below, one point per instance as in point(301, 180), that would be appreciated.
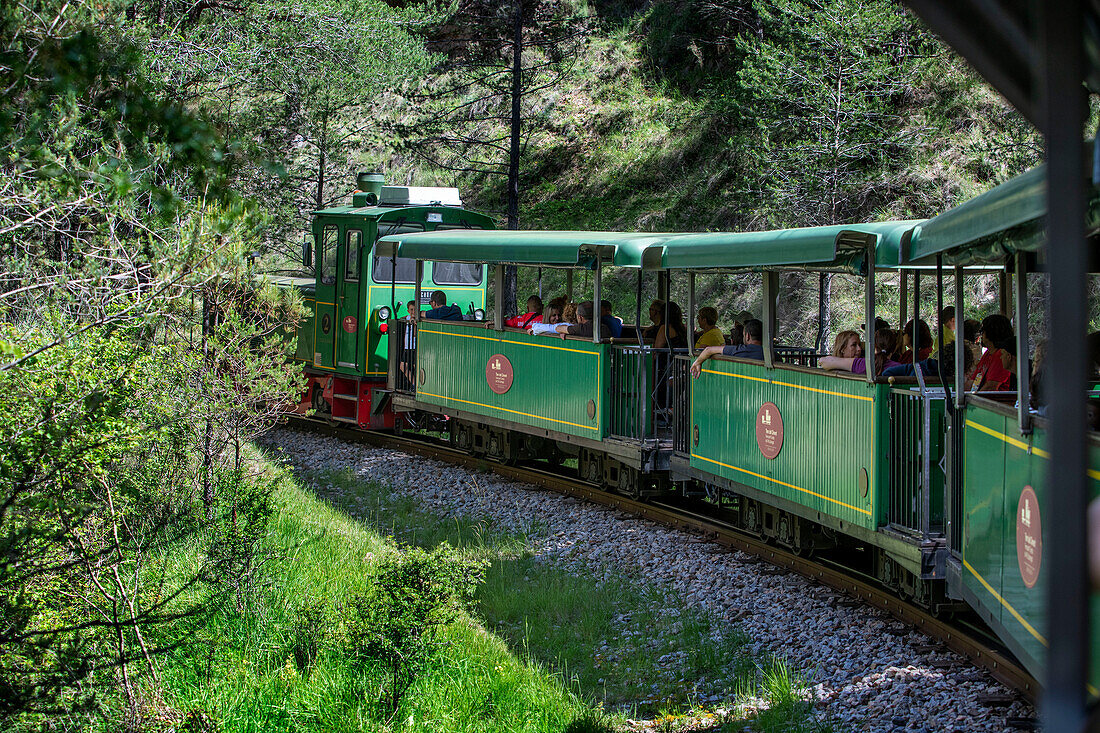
point(821, 314)
point(869, 313)
point(914, 335)
point(691, 313)
point(903, 300)
point(1002, 291)
point(1023, 364)
point(419, 278)
point(771, 295)
point(498, 296)
point(568, 286)
point(960, 341)
point(597, 311)
point(540, 283)
point(638, 309)
point(662, 285)
point(1063, 115)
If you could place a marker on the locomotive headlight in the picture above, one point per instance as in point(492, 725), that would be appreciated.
point(384, 313)
point(479, 315)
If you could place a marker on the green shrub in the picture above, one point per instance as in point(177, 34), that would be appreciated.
point(394, 622)
point(308, 634)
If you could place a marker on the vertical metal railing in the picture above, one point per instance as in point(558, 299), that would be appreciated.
point(630, 385)
point(955, 468)
point(916, 460)
point(681, 404)
point(404, 366)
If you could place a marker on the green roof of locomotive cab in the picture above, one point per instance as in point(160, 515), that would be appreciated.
point(1006, 219)
point(377, 212)
point(835, 247)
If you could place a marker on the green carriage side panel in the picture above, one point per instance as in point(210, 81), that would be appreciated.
point(1000, 465)
point(832, 431)
point(557, 384)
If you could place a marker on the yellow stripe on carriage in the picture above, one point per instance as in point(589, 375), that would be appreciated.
point(505, 409)
point(506, 341)
point(789, 384)
point(783, 483)
point(1006, 604)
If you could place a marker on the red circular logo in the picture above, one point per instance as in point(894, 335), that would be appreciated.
point(1029, 536)
point(498, 373)
point(350, 323)
point(769, 430)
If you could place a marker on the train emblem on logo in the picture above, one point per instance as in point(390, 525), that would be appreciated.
point(1029, 537)
point(499, 374)
point(769, 430)
point(350, 323)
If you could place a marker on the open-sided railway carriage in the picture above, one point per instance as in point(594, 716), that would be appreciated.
point(999, 467)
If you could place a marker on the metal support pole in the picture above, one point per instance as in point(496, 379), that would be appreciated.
point(1002, 291)
point(568, 286)
point(540, 283)
point(1023, 363)
point(903, 300)
point(914, 336)
point(771, 294)
point(691, 313)
point(597, 311)
point(822, 278)
point(869, 312)
point(419, 278)
point(960, 344)
point(638, 309)
point(1063, 113)
point(498, 292)
point(662, 285)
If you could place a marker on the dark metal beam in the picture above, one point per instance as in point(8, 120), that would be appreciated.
point(1003, 58)
point(1062, 121)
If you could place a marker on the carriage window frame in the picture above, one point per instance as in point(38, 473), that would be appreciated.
point(351, 256)
point(480, 268)
point(397, 227)
point(328, 262)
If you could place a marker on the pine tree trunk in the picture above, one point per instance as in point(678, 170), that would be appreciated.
point(511, 275)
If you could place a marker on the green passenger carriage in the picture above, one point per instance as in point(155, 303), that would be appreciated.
point(999, 473)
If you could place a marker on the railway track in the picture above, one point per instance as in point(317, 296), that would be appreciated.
point(968, 642)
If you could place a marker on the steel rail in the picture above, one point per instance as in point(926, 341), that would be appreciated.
point(997, 662)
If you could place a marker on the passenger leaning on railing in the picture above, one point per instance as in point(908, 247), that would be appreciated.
point(753, 348)
point(848, 345)
point(583, 326)
point(551, 317)
point(886, 342)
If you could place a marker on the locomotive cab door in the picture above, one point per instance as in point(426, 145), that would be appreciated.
point(349, 300)
point(327, 237)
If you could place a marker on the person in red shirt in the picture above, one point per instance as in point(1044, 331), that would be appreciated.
point(924, 335)
point(533, 314)
point(990, 374)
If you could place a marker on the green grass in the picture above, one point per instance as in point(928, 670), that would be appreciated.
point(239, 669)
point(602, 639)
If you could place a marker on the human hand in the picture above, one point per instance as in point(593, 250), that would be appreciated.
point(696, 369)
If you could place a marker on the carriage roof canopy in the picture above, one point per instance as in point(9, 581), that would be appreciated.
point(1006, 219)
point(839, 247)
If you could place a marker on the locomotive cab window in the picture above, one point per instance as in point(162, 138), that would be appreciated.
point(383, 270)
point(328, 254)
point(353, 244)
point(456, 273)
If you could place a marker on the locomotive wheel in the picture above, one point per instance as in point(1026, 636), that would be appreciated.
point(317, 400)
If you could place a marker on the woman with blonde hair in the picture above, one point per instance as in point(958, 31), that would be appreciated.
point(847, 345)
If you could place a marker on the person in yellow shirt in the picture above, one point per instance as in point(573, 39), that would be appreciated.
point(947, 318)
point(708, 324)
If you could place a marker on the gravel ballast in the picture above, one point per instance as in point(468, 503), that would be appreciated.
point(860, 676)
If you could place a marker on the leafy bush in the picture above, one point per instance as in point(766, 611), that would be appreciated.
point(394, 622)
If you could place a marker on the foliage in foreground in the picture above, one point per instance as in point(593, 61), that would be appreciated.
point(312, 653)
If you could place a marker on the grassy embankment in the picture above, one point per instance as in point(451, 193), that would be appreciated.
point(603, 639)
point(544, 651)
